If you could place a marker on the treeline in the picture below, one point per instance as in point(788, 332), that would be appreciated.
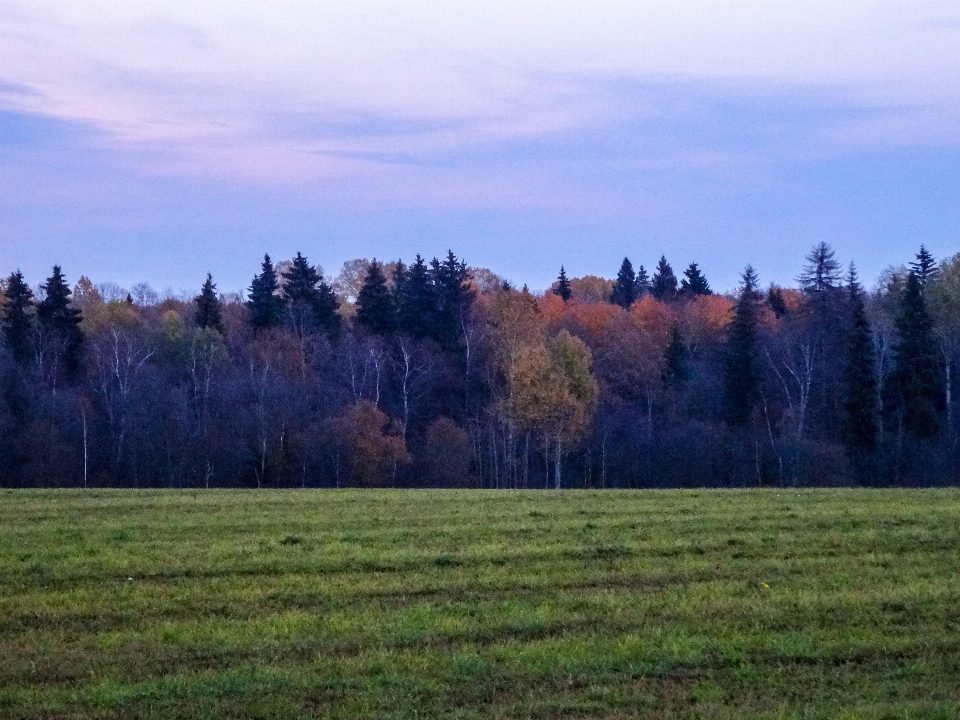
point(436, 374)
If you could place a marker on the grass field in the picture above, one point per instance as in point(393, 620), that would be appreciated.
point(472, 604)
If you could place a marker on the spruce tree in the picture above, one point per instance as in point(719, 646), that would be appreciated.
point(741, 377)
point(664, 284)
point(925, 267)
point(416, 300)
point(375, 306)
point(207, 314)
point(453, 296)
point(59, 321)
point(18, 317)
point(624, 289)
point(677, 369)
point(777, 302)
point(311, 303)
point(861, 424)
point(694, 283)
point(562, 288)
point(265, 304)
point(641, 284)
point(915, 389)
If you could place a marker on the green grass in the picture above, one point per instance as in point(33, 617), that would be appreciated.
point(472, 604)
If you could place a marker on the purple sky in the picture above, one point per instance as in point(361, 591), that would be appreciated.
point(159, 140)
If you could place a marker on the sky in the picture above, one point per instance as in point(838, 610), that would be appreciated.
point(156, 140)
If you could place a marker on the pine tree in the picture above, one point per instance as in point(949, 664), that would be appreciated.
point(664, 285)
point(861, 424)
point(915, 389)
point(694, 283)
point(624, 289)
point(207, 314)
point(18, 317)
point(925, 267)
point(562, 288)
point(60, 321)
point(741, 376)
point(311, 303)
point(416, 300)
point(265, 304)
point(375, 307)
point(453, 297)
point(642, 284)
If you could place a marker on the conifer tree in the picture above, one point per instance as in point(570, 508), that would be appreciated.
point(265, 304)
point(740, 372)
point(453, 296)
point(60, 321)
point(562, 288)
point(207, 314)
point(694, 283)
point(677, 369)
point(925, 267)
point(860, 425)
point(642, 284)
point(915, 389)
point(624, 289)
point(664, 284)
point(416, 301)
point(18, 316)
point(777, 302)
point(310, 301)
point(375, 307)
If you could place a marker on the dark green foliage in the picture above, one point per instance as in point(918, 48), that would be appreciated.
point(207, 314)
point(453, 295)
point(664, 284)
point(861, 423)
point(694, 283)
point(642, 283)
point(624, 289)
point(562, 287)
point(677, 361)
point(925, 267)
point(821, 274)
point(914, 392)
point(18, 317)
point(741, 373)
point(375, 307)
point(265, 304)
point(59, 321)
point(777, 302)
point(415, 300)
point(311, 303)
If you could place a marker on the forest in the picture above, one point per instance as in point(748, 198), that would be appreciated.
point(437, 374)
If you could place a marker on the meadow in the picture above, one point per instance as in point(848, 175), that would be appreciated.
point(475, 604)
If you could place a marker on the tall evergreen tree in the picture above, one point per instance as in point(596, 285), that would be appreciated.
point(416, 301)
point(18, 316)
point(624, 289)
point(376, 310)
point(676, 356)
point(562, 288)
point(642, 284)
point(915, 389)
point(59, 321)
point(265, 304)
point(741, 377)
point(925, 267)
point(820, 280)
point(664, 284)
point(861, 423)
point(694, 283)
point(454, 297)
point(777, 302)
point(207, 313)
point(311, 303)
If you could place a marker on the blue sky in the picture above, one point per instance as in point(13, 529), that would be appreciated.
point(156, 141)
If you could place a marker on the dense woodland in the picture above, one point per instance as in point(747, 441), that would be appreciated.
point(437, 374)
